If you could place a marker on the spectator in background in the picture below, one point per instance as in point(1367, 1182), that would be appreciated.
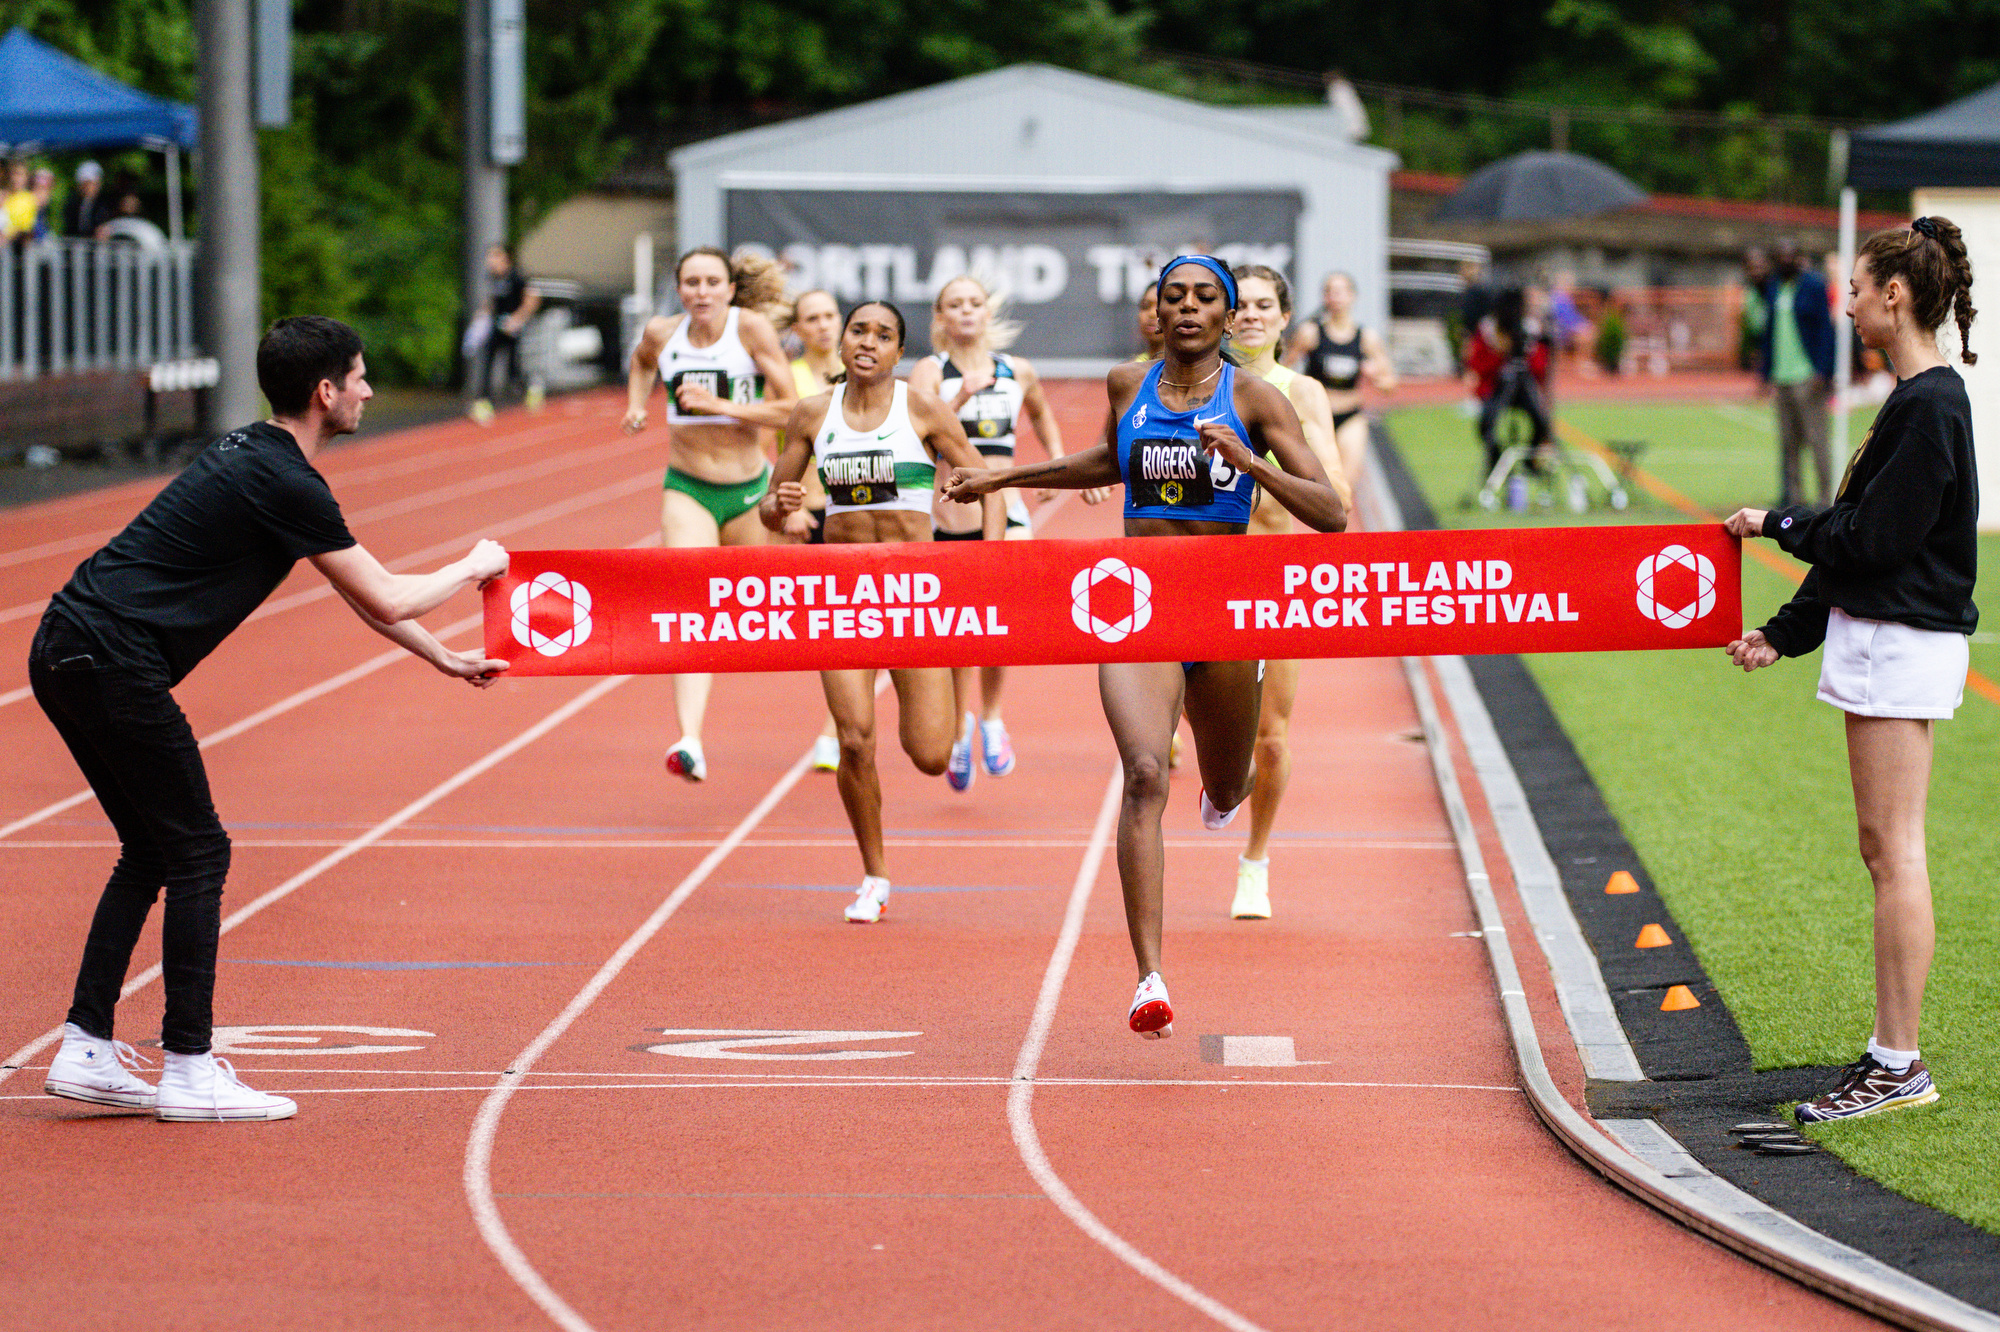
point(1756, 316)
point(1507, 366)
point(1573, 332)
point(1797, 362)
point(18, 208)
point(85, 211)
point(1347, 109)
point(44, 190)
point(510, 303)
point(1475, 300)
point(129, 223)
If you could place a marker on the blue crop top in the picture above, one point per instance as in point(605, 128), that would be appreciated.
point(1166, 473)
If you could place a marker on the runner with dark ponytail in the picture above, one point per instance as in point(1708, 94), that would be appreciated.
point(1889, 597)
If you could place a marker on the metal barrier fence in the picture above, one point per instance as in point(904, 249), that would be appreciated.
point(75, 306)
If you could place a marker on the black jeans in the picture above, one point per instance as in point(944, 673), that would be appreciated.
point(139, 755)
point(1516, 388)
point(499, 344)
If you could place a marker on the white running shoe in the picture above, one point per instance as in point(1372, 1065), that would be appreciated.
point(826, 754)
point(1152, 1015)
point(1253, 890)
point(996, 749)
point(960, 768)
point(869, 904)
point(685, 760)
point(201, 1088)
point(91, 1068)
point(1213, 819)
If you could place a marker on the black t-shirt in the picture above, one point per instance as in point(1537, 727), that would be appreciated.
point(507, 292)
point(1901, 540)
point(204, 553)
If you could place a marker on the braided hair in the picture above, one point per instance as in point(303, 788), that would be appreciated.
point(1929, 256)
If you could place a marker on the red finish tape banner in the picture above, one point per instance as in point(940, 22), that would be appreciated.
point(1017, 603)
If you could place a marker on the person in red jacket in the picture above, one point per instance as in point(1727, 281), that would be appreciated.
point(1508, 362)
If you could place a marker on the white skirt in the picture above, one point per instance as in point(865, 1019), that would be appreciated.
point(1877, 668)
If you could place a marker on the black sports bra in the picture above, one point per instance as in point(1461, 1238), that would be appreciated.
point(1336, 364)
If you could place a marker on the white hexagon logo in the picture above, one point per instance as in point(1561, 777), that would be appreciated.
point(1677, 617)
point(1109, 631)
point(551, 645)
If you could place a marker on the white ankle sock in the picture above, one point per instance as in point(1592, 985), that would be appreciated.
point(1896, 1061)
point(1247, 861)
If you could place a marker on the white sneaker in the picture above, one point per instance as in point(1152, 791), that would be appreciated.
point(1213, 819)
point(202, 1088)
point(1152, 1015)
point(685, 760)
point(1253, 890)
point(869, 904)
point(826, 754)
point(91, 1068)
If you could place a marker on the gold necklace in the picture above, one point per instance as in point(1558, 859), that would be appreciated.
point(1197, 383)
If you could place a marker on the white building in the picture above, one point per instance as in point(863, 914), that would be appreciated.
point(1066, 188)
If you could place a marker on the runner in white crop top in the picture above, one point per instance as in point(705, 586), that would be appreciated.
point(879, 443)
point(712, 359)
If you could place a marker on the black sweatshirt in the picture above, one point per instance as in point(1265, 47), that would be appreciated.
point(1900, 542)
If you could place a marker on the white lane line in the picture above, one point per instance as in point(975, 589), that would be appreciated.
point(1020, 1097)
point(913, 1084)
point(375, 834)
point(478, 1174)
point(279, 709)
point(668, 844)
point(15, 695)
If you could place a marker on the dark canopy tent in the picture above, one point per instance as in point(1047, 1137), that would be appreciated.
point(50, 102)
point(1954, 146)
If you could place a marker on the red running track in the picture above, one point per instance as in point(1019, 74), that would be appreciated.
point(459, 902)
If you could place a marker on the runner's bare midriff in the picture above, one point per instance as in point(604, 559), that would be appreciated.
point(858, 525)
point(723, 455)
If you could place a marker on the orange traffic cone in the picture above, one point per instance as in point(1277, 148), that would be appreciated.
point(1652, 937)
point(1622, 882)
point(1679, 997)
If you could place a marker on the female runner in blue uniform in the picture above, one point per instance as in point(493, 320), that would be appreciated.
point(1190, 395)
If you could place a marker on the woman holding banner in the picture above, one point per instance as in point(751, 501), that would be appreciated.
point(1261, 317)
point(1890, 597)
point(1192, 441)
point(988, 389)
point(878, 441)
point(720, 359)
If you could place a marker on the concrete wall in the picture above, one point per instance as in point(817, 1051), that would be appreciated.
point(1977, 213)
point(1033, 127)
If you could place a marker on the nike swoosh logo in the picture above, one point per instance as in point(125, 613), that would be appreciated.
point(880, 438)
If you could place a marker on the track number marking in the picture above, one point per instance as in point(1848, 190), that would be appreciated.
point(723, 1043)
point(282, 1040)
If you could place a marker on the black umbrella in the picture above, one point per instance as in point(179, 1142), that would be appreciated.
point(1535, 186)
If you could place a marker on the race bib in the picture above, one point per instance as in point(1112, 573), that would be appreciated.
point(855, 480)
point(1170, 474)
point(720, 383)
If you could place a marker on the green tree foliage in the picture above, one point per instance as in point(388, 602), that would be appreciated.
point(361, 191)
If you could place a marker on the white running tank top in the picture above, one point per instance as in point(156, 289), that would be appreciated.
point(988, 415)
point(884, 469)
point(724, 369)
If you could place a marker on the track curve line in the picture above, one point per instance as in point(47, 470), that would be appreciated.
point(478, 1172)
point(1021, 1095)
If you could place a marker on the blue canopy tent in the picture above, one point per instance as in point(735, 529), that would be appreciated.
point(50, 101)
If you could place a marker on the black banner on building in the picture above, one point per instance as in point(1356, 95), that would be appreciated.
point(1072, 264)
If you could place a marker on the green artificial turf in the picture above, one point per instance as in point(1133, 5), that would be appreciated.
point(1734, 790)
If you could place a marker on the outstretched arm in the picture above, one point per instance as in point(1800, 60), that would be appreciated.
point(391, 598)
point(1043, 417)
point(1076, 471)
point(472, 666)
point(939, 428)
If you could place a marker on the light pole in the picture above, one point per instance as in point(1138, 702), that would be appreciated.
point(228, 283)
point(494, 137)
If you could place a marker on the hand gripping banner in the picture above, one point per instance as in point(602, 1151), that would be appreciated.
point(1017, 603)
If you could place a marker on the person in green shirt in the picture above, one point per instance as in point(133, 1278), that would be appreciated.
point(1797, 363)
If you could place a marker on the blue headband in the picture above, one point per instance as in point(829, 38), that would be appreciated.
point(1212, 264)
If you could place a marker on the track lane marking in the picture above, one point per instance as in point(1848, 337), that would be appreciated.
point(858, 1083)
point(476, 768)
point(1020, 1096)
point(477, 1174)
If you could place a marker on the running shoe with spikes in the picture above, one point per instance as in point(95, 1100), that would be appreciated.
point(201, 1088)
point(91, 1068)
point(960, 770)
point(1868, 1087)
point(996, 750)
point(1253, 890)
point(869, 904)
point(685, 760)
point(1213, 819)
point(1152, 1015)
point(826, 754)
